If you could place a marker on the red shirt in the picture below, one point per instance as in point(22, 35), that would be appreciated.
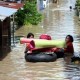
point(69, 48)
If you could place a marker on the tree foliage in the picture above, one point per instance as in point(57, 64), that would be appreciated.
point(28, 14)
point(77, 3)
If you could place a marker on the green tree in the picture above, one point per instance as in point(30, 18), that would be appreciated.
point(77, 3)
point(28, 14)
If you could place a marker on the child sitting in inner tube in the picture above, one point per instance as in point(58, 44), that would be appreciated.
point(30, 36)
point(43, 36)
point(68, 46)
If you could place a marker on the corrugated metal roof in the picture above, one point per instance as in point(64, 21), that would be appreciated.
point(6, 12)
point(8, 9)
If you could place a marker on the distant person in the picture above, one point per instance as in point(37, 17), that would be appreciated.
point(70, 7)
point(30, 36)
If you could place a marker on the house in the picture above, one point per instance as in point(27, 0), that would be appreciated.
point(6, 10)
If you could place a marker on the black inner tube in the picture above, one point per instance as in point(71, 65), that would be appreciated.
point(41, 57)
point(60, 53)
point(75, 58)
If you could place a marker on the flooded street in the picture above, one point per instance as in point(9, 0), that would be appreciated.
point(58, 22)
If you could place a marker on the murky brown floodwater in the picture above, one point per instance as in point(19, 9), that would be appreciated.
point(58, 22)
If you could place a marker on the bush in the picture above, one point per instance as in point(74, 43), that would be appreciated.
point(20, 17)
point(77, 3)
point(28, 14)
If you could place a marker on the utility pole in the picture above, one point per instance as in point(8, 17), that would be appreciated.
point(38, 5)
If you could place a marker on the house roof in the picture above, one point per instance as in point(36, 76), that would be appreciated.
point(11, 5)
point(8, 9)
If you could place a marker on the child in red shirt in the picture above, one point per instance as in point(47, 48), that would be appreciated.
point(69, 44)
point(30, 36)
point(68, 47)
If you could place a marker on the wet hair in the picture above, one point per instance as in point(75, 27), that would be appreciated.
point(71, 38)
point(29, 35)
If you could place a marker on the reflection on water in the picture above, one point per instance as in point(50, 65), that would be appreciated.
point(58, 22)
